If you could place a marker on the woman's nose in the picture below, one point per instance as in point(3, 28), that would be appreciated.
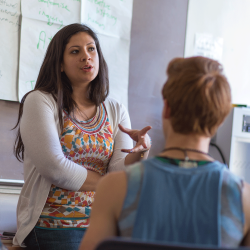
point(85, 56)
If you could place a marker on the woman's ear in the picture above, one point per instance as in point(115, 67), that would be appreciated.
point(166, 110)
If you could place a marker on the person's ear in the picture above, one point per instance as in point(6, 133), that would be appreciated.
point(166, 110)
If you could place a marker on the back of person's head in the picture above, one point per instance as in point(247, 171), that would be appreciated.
point(198, 94)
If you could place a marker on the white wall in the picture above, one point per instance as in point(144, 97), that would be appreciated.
point(8, 203)
point(157, 36)
point(230, 20)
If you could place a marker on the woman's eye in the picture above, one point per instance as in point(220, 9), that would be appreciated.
point(91, 49)
point(74, 51)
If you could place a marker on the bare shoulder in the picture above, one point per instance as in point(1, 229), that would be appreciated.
point(113, 178)
point(245, 196)
point(246, 210)
point(112, 190)
point(108, 203)
point(113, 183)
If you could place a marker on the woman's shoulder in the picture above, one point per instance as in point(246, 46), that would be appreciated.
point(38, 97)
point(117, 112)
point(112, 101)
point(114, 105)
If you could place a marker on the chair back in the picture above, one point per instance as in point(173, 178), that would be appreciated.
point(125, 244)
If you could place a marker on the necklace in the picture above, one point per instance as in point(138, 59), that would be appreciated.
point(83, 116)
point(184, 150)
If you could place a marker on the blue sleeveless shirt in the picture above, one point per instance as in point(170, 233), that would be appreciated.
point(167, 203)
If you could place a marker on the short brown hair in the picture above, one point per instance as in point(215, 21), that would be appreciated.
point(198, 94)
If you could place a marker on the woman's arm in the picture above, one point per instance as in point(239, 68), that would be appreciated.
point(136, 156)
point(142, 147)
point(91, 181)
point(107, 207)
point(39, 132)
point(123, 141)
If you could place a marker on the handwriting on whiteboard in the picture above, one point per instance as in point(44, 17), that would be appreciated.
point(9, 13)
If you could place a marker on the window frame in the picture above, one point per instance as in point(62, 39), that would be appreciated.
point(11, 183)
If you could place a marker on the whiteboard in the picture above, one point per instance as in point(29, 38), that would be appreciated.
point(9, 48)
point(229, 20)
point(111, 20)
point(40, 21)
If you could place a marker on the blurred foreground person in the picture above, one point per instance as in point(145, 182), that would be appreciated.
point(182, 195)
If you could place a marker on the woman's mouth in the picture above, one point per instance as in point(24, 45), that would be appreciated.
point(87, 68)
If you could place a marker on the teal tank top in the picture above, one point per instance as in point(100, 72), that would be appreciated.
point(171, 204)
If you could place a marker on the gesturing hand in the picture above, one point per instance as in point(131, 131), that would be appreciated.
point(141, 137)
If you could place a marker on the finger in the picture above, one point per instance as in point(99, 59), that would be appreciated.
point(127, 151)
point(136, 149)
point(124, 130)
point(145, 141)
point(144, 144)
point(145, 130)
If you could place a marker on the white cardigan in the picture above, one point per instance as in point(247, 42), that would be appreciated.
point(44, 161)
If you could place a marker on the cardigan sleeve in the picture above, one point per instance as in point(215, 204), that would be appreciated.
point(39, 132)
point(121, 140)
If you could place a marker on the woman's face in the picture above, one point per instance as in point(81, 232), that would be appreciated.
point(80, 59)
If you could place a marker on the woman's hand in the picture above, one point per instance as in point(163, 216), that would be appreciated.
point(91, 181)
point(143, 141)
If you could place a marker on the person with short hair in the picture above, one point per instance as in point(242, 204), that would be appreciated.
point(70, 135)
point(183, 195)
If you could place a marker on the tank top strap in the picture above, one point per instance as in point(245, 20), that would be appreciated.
point(232, 214)
point(134, 183)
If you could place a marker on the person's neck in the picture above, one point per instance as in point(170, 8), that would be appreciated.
point(86, 109)
point(80, 96)
point(190, 141)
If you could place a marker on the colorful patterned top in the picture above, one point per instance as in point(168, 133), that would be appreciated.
point(87, 143)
